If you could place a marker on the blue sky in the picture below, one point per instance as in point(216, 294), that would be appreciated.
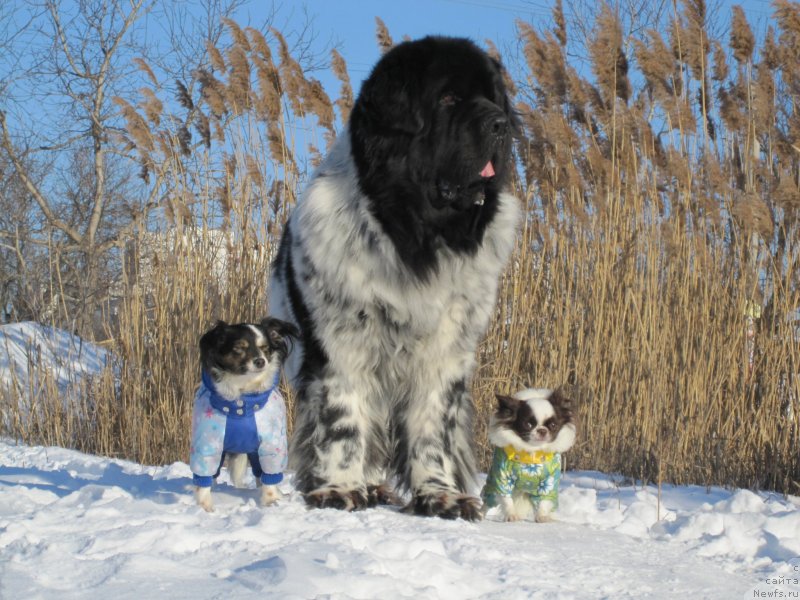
point(350, 24)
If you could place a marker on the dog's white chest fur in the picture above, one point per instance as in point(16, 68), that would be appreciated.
point(384, 366)
point(391, 315)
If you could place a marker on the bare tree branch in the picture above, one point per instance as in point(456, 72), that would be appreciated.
point(62, 38)
point(41, 201)
point(97, 125)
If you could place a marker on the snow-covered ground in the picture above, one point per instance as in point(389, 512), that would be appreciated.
point(82, 527)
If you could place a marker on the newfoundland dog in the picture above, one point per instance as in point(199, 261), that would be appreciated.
point(389, 266)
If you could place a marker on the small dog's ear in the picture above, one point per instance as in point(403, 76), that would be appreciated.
point(212, 334)
point(210, 341)
point(278, 332)
point(506, 404)
point(214, 331)
point(561, 403)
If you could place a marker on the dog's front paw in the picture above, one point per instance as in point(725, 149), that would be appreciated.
point(339, 498)
point(270, 494)
point(545, 519)
point(447, 505)
point(381, 495)
point(508, 510)
point(203, 497)
point(544, 513)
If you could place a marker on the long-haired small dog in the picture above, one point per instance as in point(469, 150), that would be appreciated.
point(239, 414)
point(529, 431)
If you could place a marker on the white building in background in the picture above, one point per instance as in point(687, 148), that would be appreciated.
point(153, 249)
point(216, 250)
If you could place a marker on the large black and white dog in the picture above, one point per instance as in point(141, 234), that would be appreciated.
point(389, 266)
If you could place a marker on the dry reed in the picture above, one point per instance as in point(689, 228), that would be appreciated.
point(656, 274)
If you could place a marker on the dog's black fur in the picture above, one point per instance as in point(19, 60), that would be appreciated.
point(427, 120)
point(389, 267)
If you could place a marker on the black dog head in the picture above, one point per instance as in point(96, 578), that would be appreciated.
point(431, 136)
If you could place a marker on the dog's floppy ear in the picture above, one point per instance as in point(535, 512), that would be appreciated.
point(214, 335)
point(210, 341)
point(562, 403)
point(506, 405)
point(279, 333)
point(387, 100)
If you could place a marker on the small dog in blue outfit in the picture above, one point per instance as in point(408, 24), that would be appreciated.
point(239, 412)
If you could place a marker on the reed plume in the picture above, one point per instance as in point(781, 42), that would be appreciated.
point(656, 274)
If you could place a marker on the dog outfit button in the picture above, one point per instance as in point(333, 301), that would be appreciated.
point(256, 407)
point(240, 403)
point(240, 412)
point(225, 409)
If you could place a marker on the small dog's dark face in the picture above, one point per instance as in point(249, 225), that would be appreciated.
point(246, 348)
point(541, 419)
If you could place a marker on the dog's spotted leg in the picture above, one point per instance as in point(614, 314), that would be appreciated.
point(439, 463)
point(329, 447)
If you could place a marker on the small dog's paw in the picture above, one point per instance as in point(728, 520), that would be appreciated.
point(512, 511)
point(203, 497)
point(270, 494)
point(544, 512)
point(447, 505)
point(334, 497)
point(381, 495)
point(546, 518)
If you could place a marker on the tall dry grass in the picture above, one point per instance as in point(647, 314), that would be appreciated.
point(227, 167)
point(656, 273)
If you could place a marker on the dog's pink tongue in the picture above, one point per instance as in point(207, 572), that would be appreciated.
point(488, 170)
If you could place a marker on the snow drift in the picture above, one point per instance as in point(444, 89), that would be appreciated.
point(26, 347)
point(83, 527)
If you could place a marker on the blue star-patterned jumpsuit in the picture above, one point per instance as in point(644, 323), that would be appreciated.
point(254, 424)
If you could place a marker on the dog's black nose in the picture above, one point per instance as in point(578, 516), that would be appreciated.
point(259, 362)
point(542, 431)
